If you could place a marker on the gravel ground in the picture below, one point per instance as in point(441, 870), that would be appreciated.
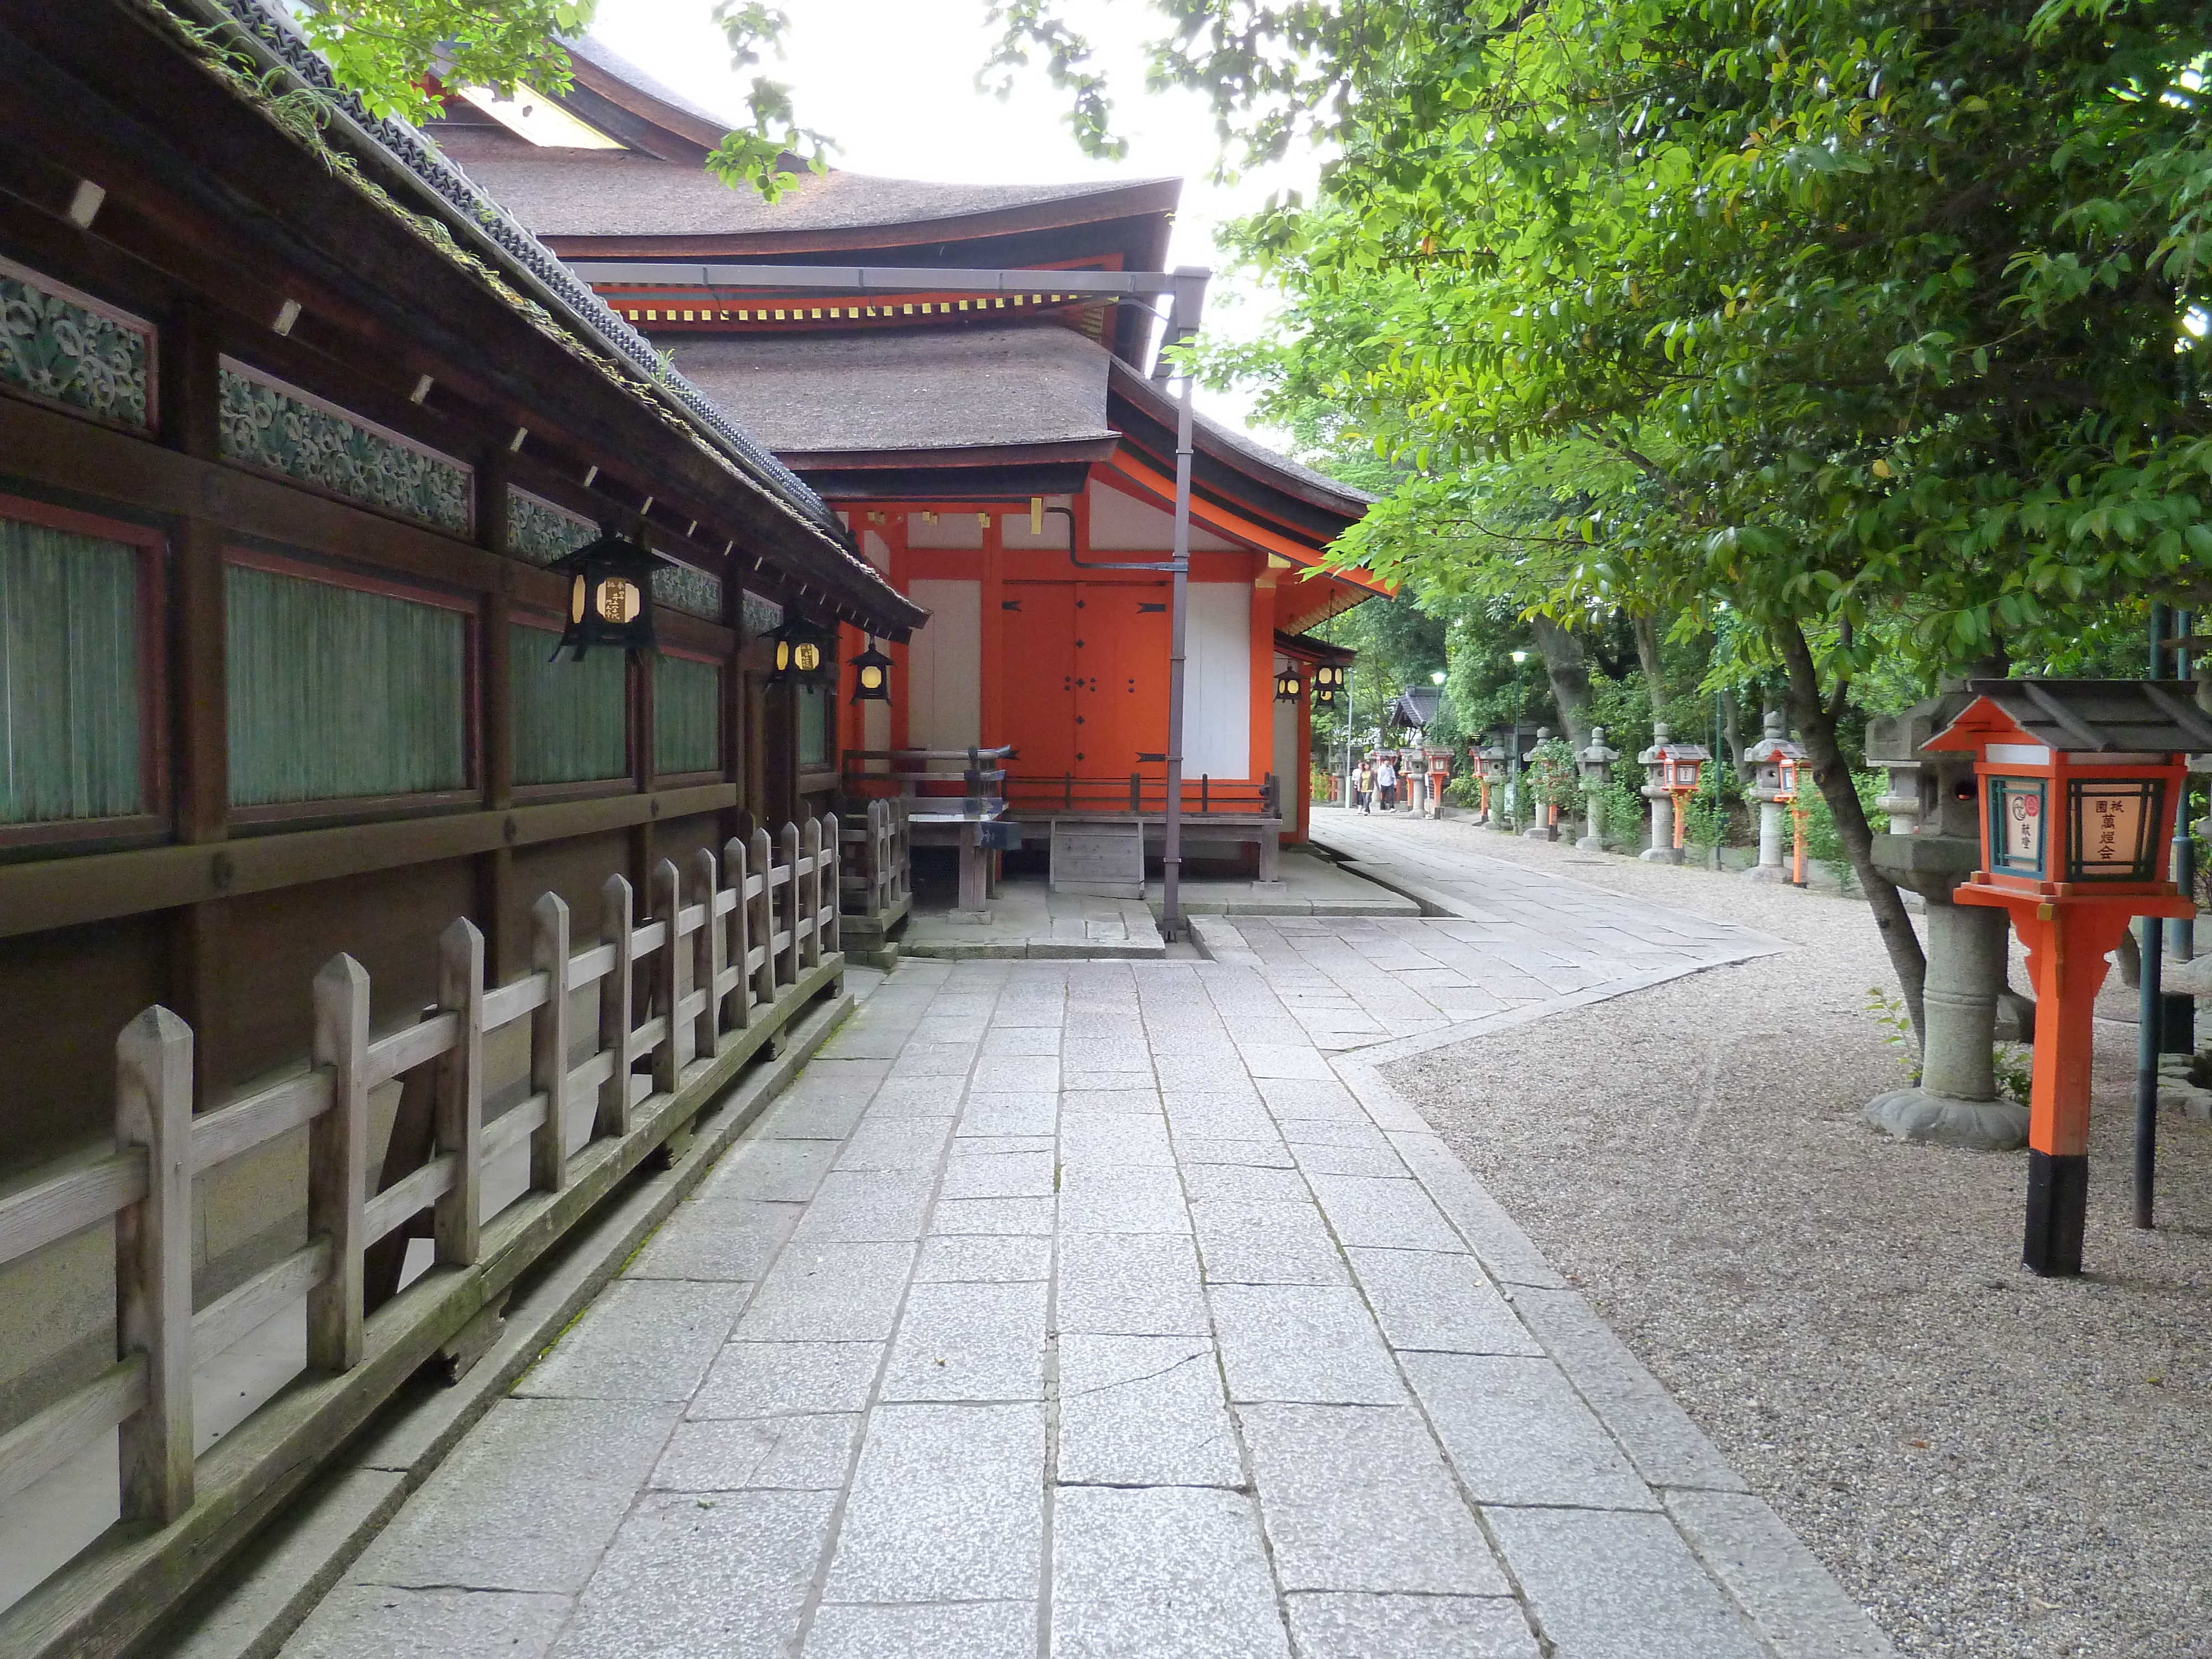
point(1994, 1464)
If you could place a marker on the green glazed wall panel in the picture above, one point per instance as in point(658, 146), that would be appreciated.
point(687, 727)
point(571, 719)
point(69, 677)
point(816, 726)
point(335, 694)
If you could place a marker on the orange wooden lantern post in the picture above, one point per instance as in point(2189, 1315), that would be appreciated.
point(2080, 781)
point(1686, 763)
point(1489, 767)
point(1788, 786)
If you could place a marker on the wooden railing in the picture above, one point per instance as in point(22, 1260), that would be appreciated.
point(1136, 793)
point(878, 872)
point(726, 947)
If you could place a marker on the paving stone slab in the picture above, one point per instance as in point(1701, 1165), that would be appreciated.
point(1166, 1572)
point(788, 1453)
point(958, 1341)
point(828, 1293)
point(1028, 1030)
point(948, 1505)
point(1144, 1411)
point(960, 1629)
point(642, 1340)
point(1517, 1433)
point(732, 1240)
point(917, 1097)
point(907, 1145)
point(1345, 1626)
point(989, 1168)
point(1507, 1252)
point(773, 1171)
point(1268, 1150)
point(1357, 1498)
point(527, 1503)
point(1266, 1241)
point(1115, 1201)
point(993, 1215)
point(1441, 1303)
point(765, 1379)
point(1615, 1585)
point(1024, 1114)
point(376, 1621)
point(1795, 1601)
point(699, 1577)
point(1394, 1213)
point(1130, 1285)
point(1122, 1140)
point(1243, 1182)
point(1666, 1447)
point(984, 1259)
point(865, 1207)
point(1303, 1344)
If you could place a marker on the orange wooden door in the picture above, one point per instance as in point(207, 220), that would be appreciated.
point(1037, 701)
point(1122, 634)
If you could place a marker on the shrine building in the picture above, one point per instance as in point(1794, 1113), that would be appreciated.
point(988, 451)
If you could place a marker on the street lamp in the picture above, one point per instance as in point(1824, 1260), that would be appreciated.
point(1519, 657)
point(1436, 678)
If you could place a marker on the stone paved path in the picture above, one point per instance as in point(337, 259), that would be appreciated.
point(1106, 1310)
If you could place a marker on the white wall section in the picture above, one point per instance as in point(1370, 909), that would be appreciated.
point(1218, 684)
point(944, 663)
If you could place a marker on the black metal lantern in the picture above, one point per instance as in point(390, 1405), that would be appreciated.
point(871, 675)
point(802, 653)
point(1288, 685)
point(610, 595)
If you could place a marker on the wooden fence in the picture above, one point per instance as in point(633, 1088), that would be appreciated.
point(730, 953)
point(876, 883)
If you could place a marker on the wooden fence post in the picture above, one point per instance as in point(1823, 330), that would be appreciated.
point(338, 1163)
point(707, 957)
point(549, 1043)
point(154, 1264)
point(738, 1014)
point(669, 977)
point(614, 1006)
point(458, 1219)
point(807, 891)
point(903, 848)
point(831, 907)
point(763, 864)
point(787, 968)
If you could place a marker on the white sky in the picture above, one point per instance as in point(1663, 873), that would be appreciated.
point(893, 82)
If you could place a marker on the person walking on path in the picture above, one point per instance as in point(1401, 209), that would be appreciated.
point(1364, 788)
point(1386, 779)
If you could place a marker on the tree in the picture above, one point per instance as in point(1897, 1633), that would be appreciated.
point(1870, 324)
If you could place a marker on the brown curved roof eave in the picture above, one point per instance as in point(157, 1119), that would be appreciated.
point(1298, 482)
point(1149, 199)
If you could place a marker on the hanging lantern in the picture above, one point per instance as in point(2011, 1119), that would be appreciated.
point(802, 651)
point(610, 595)
point(871, 675)
point(1287, 685)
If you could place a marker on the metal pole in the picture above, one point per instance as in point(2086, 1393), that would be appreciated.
point(1182, 323)
point(2150, 1007)
point(2181, 932)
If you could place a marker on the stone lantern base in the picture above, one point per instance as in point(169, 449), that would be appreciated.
point(1767, 872)
point(1988, 1126)
point(1661, 855)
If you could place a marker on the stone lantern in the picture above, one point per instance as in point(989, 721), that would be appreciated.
point(1933, 842)
point(1538, 811)
point(1490, 771)
point(1439, 767)
point(1595, 763)
point(1774, 786)
point(1672, 770)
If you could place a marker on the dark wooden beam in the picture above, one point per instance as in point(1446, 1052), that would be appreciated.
point(64, 892)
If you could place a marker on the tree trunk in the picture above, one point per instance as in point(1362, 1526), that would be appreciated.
point(1732, 732)
point(1646, 630)
point(1569, 675)
point(1816, 727)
